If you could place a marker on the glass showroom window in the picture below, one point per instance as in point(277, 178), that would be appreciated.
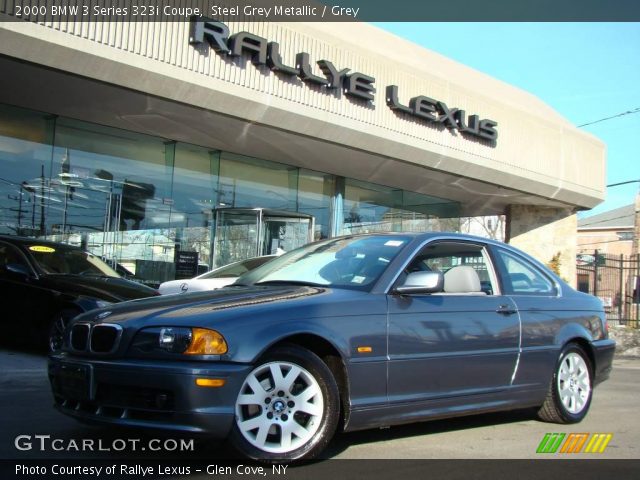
point(314, 198)
point(25, 163)
point(376, 208)
point(195, 193)
point(112, 188)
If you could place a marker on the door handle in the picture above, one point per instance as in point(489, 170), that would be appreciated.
point(506, 310)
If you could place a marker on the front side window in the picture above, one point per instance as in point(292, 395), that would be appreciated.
point(451, 258)
point(522, 278)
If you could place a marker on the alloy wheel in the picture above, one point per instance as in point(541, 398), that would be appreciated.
point(574, 385)
point(280, 407)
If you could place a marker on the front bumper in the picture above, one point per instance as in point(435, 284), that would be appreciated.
point(603, 351)
point(144, 393)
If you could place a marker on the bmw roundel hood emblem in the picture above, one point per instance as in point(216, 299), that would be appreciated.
point(102, 315)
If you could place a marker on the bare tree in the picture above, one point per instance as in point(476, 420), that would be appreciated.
point(491, 226)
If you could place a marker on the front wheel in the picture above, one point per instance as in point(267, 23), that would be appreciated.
point(571, 388)
point(57, 326)
point(287, 408)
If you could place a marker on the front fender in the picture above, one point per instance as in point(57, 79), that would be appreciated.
point(254, 344)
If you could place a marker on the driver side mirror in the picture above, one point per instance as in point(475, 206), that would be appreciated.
point(18, 269)
point(422, 282)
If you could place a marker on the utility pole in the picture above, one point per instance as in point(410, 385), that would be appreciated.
point(635, 248)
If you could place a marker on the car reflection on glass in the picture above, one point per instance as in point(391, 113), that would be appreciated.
point(216, 278)
point(349, 333)
point(50, 283)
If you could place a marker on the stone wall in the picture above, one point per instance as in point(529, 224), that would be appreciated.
point(542, 232)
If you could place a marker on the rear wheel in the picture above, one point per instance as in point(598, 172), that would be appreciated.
point(287, 408)
point(571, 388)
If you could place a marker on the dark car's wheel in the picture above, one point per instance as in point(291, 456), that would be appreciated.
point(57, 325)
point(287, 408)
point(571, 388)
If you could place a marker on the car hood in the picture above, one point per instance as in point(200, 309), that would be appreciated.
point(112, 289)
point(200, 307)
point(239, 312)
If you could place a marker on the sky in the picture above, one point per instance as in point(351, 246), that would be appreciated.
point(585, 71)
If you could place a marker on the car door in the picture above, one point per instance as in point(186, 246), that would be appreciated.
point(543, 313)
point(456, 342)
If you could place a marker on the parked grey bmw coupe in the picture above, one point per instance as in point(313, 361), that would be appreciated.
point(349, 333)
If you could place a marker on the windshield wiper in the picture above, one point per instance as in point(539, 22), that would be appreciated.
point(290, 282)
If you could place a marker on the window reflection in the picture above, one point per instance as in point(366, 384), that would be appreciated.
point(375, 208)
point(137, 200)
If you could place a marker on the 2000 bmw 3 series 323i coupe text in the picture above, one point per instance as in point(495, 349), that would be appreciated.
point(348, 333)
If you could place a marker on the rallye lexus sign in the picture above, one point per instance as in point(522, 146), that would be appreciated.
point(353, 84)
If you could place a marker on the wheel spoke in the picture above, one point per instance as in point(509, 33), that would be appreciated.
point(276, 374)
point(285, 437)
point(255, 384)
point(292, 375)
point(571, 362)
point(251, 424)
point(291, 428)
point(263, 431)
point(310, 408)
point(563, 375)
point(308, 393)
point(583, 375)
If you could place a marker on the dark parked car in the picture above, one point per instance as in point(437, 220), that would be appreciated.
point(49, 283)
point(348, 333)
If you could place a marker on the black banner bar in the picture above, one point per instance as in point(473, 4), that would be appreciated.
point(323, 10)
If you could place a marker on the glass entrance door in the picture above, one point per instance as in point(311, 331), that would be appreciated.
point(244, 233)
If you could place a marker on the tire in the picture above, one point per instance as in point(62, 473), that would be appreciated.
point(283, 418)
point(571, 388)
point(55, 331)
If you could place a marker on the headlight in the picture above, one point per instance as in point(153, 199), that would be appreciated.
point(189, 341)
point(174, 339)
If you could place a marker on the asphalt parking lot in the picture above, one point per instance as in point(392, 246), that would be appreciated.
point(26, 402)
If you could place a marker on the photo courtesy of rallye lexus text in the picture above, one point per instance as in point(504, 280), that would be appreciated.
point(349, 333)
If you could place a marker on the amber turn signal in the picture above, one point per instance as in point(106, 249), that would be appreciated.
point(206, 342)
point(210, 382)
point(365, 349)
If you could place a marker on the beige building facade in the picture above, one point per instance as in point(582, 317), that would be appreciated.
point(348, 125)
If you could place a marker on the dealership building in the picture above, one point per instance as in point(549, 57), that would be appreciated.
point(139, 140)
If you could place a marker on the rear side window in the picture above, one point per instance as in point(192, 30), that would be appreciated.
point(519, 277)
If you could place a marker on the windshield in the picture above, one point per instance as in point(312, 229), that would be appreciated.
point(346, 262)
point(73, 261)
